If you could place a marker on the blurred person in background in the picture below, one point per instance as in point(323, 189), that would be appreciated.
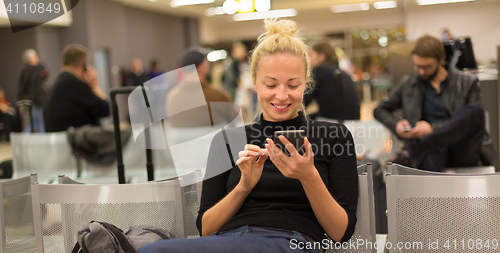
point(443, 122)
point(446, 34)
point(33, 86)
point(137, 75)
point(182, 93)
point(7, 115)
point(238, 80)
point(231, 76)
point(332, 105)
point(155, 69)
point(76, 99)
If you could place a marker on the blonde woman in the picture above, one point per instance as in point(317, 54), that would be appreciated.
point(269, 201)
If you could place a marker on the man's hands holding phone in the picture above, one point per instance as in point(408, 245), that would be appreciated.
point(421, 129)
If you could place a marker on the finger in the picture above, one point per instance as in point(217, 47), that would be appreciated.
point(413, 134)
point(245, 153)
point(288, 145)
point(275, 160)
point(252, 147)
point(308, 147)
point(276, 155)
point(242, 159)
point(262, 159)
point(272, 148)
point(263, 151)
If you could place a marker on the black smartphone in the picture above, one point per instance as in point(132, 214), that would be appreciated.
point(296, 137)
point(84, 66)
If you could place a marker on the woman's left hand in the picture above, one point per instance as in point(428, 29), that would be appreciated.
point(296, 166)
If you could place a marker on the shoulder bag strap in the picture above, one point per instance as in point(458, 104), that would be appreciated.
point(124, 243)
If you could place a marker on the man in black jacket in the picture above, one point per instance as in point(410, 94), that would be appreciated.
point(443, 122)
point(76, 98)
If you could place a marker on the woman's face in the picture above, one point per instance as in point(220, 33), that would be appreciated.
point(280, 83)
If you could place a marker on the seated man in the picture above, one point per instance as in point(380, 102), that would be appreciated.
point(443, 123)
point(76, 98)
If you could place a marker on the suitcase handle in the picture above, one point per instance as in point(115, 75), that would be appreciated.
point(116, 123)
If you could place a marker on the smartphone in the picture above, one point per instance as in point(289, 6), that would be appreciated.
point(406, 128)
point(296, 137)
point(84, 66)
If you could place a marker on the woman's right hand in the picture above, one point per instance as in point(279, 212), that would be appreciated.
point(251, 163)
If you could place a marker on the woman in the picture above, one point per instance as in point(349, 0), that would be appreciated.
point(336, 100)
point(269, 201)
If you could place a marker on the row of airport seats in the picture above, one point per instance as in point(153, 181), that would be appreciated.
point(422, 207)
point(46, 217)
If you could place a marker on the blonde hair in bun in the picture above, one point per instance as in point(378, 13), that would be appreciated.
point(280, 37)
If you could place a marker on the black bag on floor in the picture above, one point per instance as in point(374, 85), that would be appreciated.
point(102, 237)
point(6, 169)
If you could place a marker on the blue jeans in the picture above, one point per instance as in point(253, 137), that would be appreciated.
point(38, 123)
point(243, 240)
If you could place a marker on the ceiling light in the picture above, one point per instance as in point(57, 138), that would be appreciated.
point(176, 3)
point(230, 6)
point(265, 14)
point(214, 11)
point(216, 55)
point(383, 41)
point(385, 5)
point(262, 5)
point(429, 2)
point(349, 7)
point(245, 6)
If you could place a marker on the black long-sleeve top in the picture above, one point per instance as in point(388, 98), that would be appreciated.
point(277, 201)
point(326, 93)
point(71, 102)
point(31, 83)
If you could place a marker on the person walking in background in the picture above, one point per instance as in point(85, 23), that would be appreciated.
point(137, 75)
point(76, 99)
point(336, 100)
point(33, 86)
